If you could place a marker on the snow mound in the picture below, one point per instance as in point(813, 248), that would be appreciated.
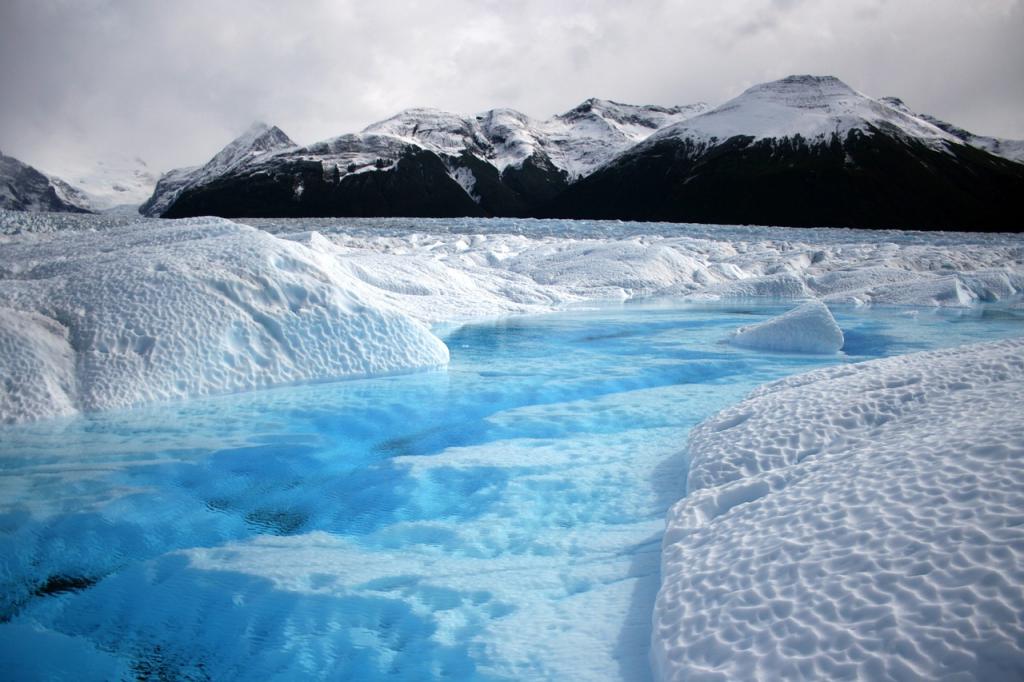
point(100, 320)
point(809, 328)
point(861, 521)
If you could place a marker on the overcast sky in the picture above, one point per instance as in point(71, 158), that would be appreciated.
point(174, 81)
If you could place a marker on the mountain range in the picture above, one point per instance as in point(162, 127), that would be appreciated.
point(800, 151)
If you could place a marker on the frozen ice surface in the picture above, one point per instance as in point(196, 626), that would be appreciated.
point(860, 521)
point(301, 300)
point(115, 318)
point(808, 328)
point(499, 520)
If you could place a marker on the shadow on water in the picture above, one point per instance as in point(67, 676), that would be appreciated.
point(668, 481)
point(180, 622)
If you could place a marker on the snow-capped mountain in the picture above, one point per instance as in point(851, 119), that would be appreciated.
point(257, 141)
point(812, 107)
point(23, 188)
point(499, 162)
point(576, 142)
point(804, 151)
point(1006, 148)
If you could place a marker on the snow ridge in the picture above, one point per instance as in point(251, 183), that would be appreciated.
point(1012, 150)
point(576, 142)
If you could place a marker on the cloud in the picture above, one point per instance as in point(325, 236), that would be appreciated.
point(173, 82)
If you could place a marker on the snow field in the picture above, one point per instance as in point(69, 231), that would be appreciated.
point(157, 310)
point(859, 521)
point(112, 319)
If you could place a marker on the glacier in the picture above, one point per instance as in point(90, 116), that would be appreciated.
point(879, 498)
point(114, 312)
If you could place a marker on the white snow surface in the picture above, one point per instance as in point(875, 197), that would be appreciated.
point(1012, 150)
point(577, 141)
point(100, 320)
point(860, 521)
point(808, 328)
point(813, 107)
point(120, 313)
point(107, 184)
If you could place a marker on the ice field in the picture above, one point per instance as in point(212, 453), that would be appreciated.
point(485, 496)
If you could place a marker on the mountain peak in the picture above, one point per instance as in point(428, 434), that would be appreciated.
point(255, 129)
point(257, 139)
point(812, 107)
point(804, 91)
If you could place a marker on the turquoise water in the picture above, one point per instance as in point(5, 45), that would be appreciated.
point(500, 519)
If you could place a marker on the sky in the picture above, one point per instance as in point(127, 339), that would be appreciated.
point(172, 82)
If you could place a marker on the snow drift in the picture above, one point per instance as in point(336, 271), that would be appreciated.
point(860, 521)
point(101, 320)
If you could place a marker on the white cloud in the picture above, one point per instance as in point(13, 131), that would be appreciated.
point(173, 82)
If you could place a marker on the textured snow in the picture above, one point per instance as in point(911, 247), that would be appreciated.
point(860, 521)
point(99, 320)
point(813, 107)
point(809, 328)
point(159, 310)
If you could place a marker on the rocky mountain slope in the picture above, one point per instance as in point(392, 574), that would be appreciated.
point(804, 151)
point(801, 151)
point(500, 162)
point(23, 188)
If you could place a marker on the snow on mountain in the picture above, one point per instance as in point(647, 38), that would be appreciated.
point(1008, 149)
point(439, 131)
point(541, 155)
point(576, 142)
point(590, 135)
point(813, 107)
point(256, 143)
point(802, 151)
point(109, 184)
point(24, 188)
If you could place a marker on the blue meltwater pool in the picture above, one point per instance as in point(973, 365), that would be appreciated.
point(500, 519)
